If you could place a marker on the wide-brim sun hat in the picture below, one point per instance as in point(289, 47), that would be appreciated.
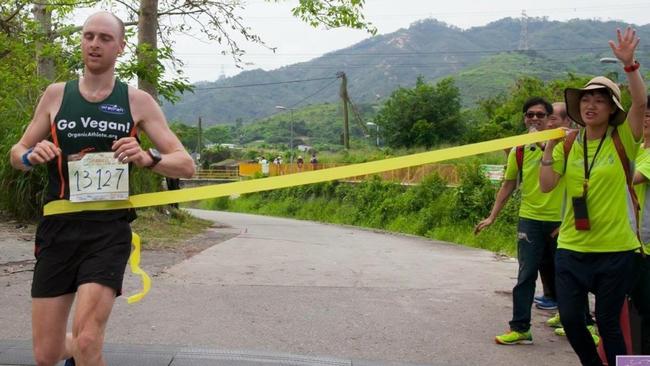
point(572, 98)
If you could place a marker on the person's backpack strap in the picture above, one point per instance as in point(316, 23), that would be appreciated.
point(519, 157)
point(620, 150)
point(627, 167)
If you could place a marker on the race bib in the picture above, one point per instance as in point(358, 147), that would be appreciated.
point(97, 177)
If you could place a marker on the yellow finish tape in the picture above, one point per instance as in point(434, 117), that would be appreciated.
point(134, 261)
point(291, 180)
point(285, 181)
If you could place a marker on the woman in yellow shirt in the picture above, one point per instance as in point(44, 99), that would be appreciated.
point(597, 240)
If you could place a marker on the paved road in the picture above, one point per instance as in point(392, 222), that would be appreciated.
point(311, 289)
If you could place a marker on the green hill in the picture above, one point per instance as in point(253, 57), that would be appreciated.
point(312, 125)
point(483, 60)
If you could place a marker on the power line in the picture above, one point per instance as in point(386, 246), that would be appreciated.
point(417, 53)
point(573, 9)
point(263, 84)
point(316, 92)
point(399, 65)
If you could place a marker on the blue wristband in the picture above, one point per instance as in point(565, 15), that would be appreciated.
point(25, 160)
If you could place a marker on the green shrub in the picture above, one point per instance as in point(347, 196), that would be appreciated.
point(430, 209)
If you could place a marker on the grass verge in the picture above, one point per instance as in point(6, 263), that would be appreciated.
point(166, 228)
point(430, 209)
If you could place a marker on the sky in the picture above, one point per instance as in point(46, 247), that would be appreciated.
point(296, 41)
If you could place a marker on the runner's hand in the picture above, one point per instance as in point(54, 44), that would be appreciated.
point(128, 150)
point(483, 224)
point(43, 152)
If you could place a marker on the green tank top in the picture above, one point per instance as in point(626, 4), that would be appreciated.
point(81, 126)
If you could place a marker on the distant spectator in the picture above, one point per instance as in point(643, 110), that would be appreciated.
point(313, 161)
point(265, 166)
point(300, 161)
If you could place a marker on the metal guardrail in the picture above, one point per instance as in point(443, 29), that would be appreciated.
point(217, 174)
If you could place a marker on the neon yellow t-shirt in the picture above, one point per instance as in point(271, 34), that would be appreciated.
point(643, 166)
point(534, 204)
point(609, 205)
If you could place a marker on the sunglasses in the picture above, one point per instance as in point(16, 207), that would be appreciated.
point(539, 115)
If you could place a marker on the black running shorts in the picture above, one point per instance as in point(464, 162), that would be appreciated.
point(70, 253)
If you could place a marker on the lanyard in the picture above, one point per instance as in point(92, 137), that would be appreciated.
point(589, 167)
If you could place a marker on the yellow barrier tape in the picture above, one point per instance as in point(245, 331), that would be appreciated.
point(291, 180)
point(285, 181)
point(134, 261)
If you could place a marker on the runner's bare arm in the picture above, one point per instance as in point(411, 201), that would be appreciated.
point(176, 162)
point(38, 130)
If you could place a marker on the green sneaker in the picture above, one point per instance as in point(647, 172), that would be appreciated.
point(591, 328)
point(594, 333)
point(554, 322)
point(513, 337)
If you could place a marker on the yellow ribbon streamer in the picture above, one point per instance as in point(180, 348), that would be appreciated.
point(291, 180)
point(134, 261)
point(285, 181)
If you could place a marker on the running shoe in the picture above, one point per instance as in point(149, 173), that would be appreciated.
point(554, 321)
point(594, 333)
point(514, 337)
point(546, 304)
point(592, 330)
point(540, 298)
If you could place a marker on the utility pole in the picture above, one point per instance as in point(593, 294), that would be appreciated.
point(281, 107)
point(344, 97)
point(198, 144)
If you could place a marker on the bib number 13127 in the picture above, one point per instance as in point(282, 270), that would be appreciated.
point(98, 177)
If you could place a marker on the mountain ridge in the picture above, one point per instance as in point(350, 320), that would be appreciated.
point(430, 48)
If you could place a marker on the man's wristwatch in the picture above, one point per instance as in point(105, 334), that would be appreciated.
point(155, 156)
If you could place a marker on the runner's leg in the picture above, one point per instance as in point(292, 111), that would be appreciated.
point(49, 321)
point(94, 305)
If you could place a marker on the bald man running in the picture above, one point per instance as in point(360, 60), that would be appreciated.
point(81, 128)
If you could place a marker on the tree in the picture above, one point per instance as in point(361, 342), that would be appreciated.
point(21, 38)
point(218, 21)
point(36, 39)
point(220, 134)
point(425, 115)
point(158, 20)
point(501, 115)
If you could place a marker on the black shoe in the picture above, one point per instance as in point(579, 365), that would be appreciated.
point(69, 362)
